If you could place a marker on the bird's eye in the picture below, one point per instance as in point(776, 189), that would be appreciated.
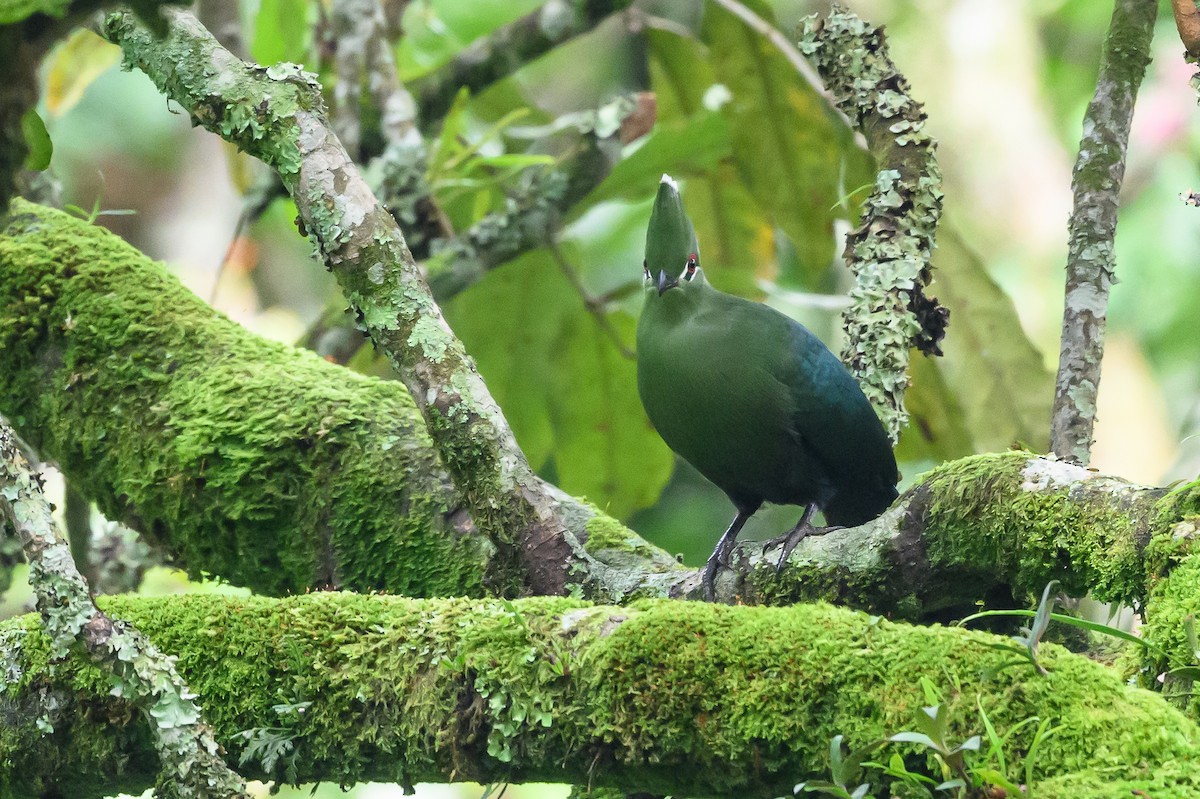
point(689, 271)
point(646, 270)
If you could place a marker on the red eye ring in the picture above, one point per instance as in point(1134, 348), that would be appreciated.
point(691, 264)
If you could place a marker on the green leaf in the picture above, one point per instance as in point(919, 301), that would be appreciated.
point(605, 448)
point(281, 32)
point(74, 65)
point(937, 427)
point(510, 322)
point(789, 147)
point(1093, 626)
point(1002, 384)
point(568, 393)
point(915, 738)
point(37, 139)
point(737, 245)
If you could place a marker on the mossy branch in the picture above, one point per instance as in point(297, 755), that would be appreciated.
point(274, 469)
point(189, 764)
point(890, 251)
point(1091, 260)
point(277, 115)
point(244, 458)
point(673, 698)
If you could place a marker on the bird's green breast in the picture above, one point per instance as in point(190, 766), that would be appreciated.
point(711, 374)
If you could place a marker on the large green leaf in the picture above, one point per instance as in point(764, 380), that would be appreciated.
point(787, 143)
point(937, 428)
point(566, 390)
point(75, 63)
point(737, 244)
point(605, 448)
point(999, 377)
point(510, 322)
point(281, 32)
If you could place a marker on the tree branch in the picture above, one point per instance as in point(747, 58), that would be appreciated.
point(276, 114)
point(890, 251)
point(1091, 263)
point(666, 697)
point(1187, 21)
point(502, 52)
point(182, 744)
point(277, 470)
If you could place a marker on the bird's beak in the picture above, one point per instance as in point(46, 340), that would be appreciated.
point(665, 282)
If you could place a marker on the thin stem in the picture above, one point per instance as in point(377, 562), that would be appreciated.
point(595, 306)
point(1091, 262)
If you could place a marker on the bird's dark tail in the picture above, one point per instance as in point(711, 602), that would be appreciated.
point(850, 508)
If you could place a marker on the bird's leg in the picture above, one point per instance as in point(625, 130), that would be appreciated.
point(793, 537)
point(720, 555)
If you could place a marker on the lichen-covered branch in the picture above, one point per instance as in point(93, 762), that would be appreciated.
point(666, 697)
point(276, 114)
point(1091, 261)
point(137, 671)
point(507, 49)
point(365, 68)
point(890, 250)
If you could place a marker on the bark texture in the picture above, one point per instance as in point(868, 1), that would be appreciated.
point(1091, 261)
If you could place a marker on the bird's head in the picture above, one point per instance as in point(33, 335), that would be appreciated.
point(672, 265)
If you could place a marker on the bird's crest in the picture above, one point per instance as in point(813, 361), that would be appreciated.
point(670, 239)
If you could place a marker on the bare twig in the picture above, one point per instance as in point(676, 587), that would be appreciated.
point(594, 306)
point(1091, 263)
point(190, 756)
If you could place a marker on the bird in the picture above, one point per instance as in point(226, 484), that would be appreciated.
point(751, 398)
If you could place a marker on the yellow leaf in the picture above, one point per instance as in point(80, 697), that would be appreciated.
point(75, 63)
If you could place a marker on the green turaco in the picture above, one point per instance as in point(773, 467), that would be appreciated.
point(751, 398)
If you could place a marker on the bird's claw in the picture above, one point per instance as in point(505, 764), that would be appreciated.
point(792, 538)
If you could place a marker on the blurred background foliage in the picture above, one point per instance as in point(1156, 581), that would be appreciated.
point(772, 179)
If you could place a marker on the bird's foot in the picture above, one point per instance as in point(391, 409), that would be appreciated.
point(792, 538)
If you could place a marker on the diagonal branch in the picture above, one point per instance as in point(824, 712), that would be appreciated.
point(1091, 262)
point(502, 52)
point(189, 755)
point(277, 115)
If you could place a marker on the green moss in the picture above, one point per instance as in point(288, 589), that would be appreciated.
point(1173, 606)
point(661, 696)
point(605, 532)
point(245, 458)
point(984, 518)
